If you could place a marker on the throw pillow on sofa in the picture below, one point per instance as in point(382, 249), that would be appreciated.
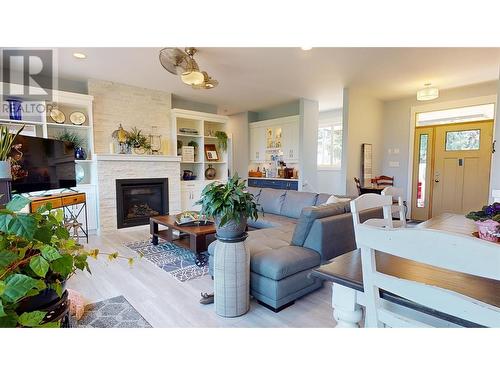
point(335, 199)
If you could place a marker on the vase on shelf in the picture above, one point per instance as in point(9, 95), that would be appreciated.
point(80, 153)
point(15, 109)
point(210, 172)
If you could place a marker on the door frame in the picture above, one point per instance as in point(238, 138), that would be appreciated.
point(414, 109)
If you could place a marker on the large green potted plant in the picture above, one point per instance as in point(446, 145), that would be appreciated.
point(230, 205)
point(6, 142)
point(37, 256)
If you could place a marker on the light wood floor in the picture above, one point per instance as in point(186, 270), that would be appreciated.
point(166, 302)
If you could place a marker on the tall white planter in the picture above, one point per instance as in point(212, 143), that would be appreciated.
point(5, 172)
point(231, 278)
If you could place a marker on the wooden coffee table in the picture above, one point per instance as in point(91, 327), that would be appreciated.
point(199, 236)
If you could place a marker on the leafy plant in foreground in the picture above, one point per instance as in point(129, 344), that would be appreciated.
point(36, 253)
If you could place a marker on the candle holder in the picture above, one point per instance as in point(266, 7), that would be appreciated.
point(155, 140)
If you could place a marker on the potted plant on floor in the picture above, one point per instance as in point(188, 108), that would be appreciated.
point(487, 222)
point(37, 256)
point(6, 143)
point(230, 205)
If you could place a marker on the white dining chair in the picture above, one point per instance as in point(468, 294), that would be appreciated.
point(445, 250)
point(371, 201)
point(398, 203)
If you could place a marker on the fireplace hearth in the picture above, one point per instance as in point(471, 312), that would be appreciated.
point(139, 199)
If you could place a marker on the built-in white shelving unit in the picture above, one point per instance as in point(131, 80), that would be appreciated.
point(204, 124)
point(37, 123)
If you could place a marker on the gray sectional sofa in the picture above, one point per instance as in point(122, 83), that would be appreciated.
point(296, 233)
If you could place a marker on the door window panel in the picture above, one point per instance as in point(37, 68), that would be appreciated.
point(464, 140)
point(422, 169)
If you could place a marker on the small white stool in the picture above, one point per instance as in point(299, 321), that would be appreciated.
point(231, 277)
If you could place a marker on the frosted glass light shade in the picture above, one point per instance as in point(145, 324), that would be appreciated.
point(429, 93)
point(192, 78)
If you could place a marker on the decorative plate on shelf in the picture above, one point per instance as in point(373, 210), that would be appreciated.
point(77, 118)
point(57, 116)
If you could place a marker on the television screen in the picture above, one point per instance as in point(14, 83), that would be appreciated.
point(40, 164)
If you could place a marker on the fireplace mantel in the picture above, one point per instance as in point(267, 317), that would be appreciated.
point(131, 157)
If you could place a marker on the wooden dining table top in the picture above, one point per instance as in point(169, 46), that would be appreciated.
point(346, 270)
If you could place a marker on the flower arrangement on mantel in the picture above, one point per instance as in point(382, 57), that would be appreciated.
point(37, 256)
point(487, 221)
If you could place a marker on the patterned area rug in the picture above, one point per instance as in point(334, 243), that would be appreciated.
point(175, 260)
point(115, 312)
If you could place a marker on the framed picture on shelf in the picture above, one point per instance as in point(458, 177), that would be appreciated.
point(211, 153)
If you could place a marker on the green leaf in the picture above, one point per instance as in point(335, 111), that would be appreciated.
point(5, 220)
point(59, 215)
point(61, 233)
point(57, 287)
point(17, 203)
point(8, 321)
point(6, 258)
point(43, 234)
point(39, 265)
point(31, 319)
point(2, 287)
point(50, 253)
point(51, 325)
point(22, 226)
point(16, 286)
point(2, 312)
point(63, 266)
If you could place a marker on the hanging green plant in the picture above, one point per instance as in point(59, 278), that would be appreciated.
point(221, 140)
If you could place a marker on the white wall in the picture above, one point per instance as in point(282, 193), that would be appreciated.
point(363, 123)
point(309, 111)
point(238, 127)
point(396, 127)
point(495, 162)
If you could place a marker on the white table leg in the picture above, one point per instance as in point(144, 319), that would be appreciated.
point(346, 311)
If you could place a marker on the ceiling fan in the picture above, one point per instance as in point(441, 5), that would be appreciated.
point(182, 63)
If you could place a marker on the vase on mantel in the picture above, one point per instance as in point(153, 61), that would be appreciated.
point(488, 230)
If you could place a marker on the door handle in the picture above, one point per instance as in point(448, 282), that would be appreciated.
point(436, 180)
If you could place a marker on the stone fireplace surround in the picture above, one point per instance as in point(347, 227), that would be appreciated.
point(112, 167)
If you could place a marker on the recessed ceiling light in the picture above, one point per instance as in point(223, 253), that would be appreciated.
point(306, 48)
point(80, 55)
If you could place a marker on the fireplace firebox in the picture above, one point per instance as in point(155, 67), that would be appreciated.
point(139, 199)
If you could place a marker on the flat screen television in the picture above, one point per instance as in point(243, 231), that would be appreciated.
point(42, 164)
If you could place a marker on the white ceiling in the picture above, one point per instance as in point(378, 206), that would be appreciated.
point(256, 78)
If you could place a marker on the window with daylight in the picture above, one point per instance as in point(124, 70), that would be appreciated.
point(330, 144)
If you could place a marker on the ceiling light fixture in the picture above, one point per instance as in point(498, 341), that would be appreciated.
point(428, 93)
point(306, 48)
point(182, 63)
point(79, 55)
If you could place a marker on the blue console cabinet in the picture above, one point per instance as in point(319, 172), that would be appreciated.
point(274, 184)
